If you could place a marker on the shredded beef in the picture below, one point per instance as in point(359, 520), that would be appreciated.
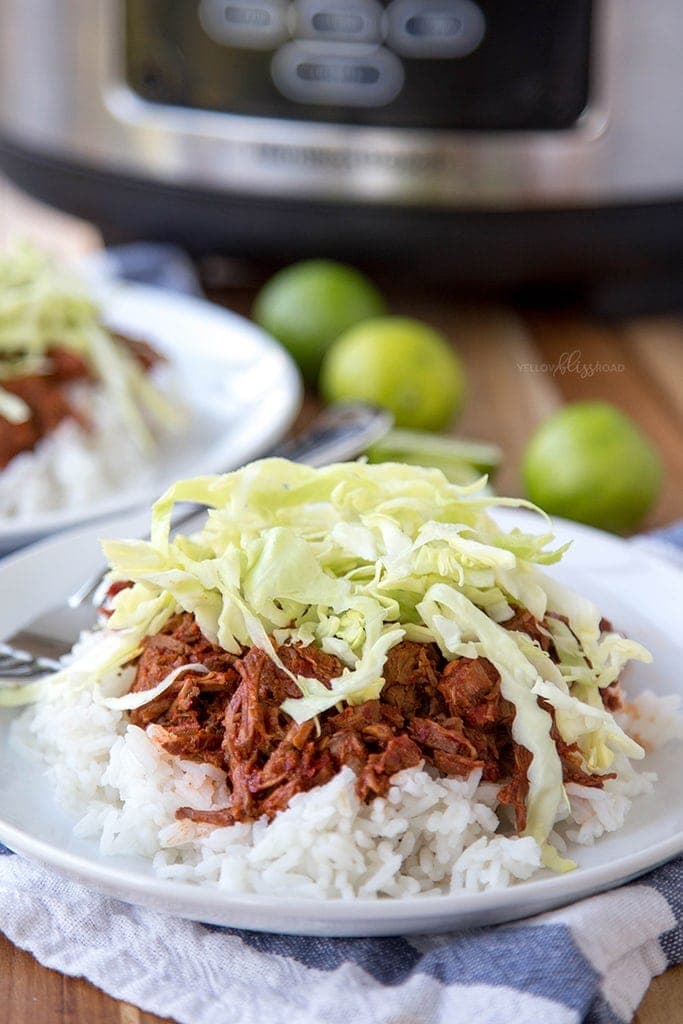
point(181, 642)
point(451, 715)
point(347, 748)
point(220, 818)
point(309, 661)
point(411, 676)
point(143, 353)
point(375, 777)
point(49, 405)
point(47, 396)
point(524, 622)
point(366, 717)
point(471, 689)
point(570, 756)
point(450, 738)
point(613, 697)
point(64, 364)
point(515, 792)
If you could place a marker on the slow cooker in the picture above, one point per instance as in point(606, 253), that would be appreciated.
point(479, 141)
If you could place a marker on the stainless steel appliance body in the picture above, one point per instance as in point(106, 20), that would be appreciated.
point(437, 129)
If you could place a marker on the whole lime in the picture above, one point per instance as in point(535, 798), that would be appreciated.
point(309, 304)
point(590, 462)
point(401, 364)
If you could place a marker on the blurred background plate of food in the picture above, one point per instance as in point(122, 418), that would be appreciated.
point(110, 391)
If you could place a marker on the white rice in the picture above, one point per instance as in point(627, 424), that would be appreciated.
point(428, 836)
point(70, 466)
point(652, 720)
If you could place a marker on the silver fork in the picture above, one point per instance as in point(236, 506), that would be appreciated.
point(16, 663)
point(339, 433)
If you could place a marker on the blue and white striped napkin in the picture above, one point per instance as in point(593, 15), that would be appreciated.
point(591, 962)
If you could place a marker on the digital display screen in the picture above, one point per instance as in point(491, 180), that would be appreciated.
point(442, 64)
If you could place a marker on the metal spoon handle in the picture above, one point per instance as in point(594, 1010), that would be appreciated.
point(339, 433)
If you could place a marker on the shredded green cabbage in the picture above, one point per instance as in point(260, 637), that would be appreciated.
point(42, 306)
point(356, 557)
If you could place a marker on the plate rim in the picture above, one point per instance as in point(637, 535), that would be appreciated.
point(584, 882)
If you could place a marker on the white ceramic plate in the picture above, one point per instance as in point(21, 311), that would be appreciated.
point(640, 594)
point(242, 391)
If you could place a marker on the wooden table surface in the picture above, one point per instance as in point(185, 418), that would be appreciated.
point(520, 368)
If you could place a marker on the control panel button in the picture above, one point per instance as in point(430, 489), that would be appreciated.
point(436, 29)
point(349, 21)
point(343, 74)
point(259, 25)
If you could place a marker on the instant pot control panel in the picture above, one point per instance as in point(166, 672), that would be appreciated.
point(439, 64)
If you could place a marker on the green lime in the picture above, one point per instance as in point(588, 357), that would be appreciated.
point(308, 305)
point(590, 462)
point(461, 461)
point(400, 364)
